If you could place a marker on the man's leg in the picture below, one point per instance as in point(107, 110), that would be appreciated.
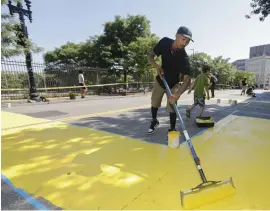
point(212, 92)
point(171, 110)
point(156, 99)
point(83, 92)
point(188, 111)
point(243, 90)
point(202, 105)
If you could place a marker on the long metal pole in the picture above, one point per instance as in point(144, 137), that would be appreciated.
point(28, 56)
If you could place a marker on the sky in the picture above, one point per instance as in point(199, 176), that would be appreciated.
point(219, 27)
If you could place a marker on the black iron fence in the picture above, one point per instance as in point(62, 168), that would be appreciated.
point(59, 81)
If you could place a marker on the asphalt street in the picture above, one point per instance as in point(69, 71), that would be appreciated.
point(127, 116)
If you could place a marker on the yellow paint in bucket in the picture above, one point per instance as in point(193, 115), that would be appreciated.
point(174, 139)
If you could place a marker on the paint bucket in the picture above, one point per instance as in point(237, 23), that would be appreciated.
point(173, 139)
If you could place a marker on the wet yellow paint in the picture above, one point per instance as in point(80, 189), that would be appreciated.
point(174, 139)
point(11, 120)
point(79, 168)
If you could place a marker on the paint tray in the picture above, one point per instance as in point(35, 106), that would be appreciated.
point(205, 121)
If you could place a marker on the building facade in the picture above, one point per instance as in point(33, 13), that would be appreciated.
point(261, 67)
point(239, 64)
point(260, 50)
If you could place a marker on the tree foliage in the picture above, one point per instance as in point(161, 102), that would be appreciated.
point(67, 54)
point(260, 7)
point(221, 67)
point(125, 41)
point(12, 37)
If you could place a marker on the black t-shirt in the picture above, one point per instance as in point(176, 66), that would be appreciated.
point(244, 83)
point(174, 62)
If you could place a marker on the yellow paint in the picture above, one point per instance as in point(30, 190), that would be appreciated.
point(79, 168)
point(173, 139)
point(11, 120)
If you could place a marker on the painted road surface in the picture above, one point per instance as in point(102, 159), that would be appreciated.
point(88, 157)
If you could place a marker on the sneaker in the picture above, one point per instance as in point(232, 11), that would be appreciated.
point(154, 124)
point(170, 130)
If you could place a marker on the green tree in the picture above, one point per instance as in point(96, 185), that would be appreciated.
point(196, 62)
point(240, 75)
point(260, 7)
point(67, 54)
point(11, 36)
point(14, 80)
point(139, 50)
point(118, 44)
point(224, 69)
point(118, 35)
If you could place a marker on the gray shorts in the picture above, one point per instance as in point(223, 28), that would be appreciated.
point(199, 101)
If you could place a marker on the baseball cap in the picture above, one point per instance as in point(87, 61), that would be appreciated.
point(185, 32)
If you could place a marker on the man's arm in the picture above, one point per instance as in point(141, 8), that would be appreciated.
point(192, 86)
point(206, 89)
point(157, 51)
point(184, 86)
point(151, 59)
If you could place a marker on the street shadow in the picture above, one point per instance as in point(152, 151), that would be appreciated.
point(135, 124)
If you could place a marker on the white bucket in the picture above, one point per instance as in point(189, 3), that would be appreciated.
point(9, 105)
point(173, 139)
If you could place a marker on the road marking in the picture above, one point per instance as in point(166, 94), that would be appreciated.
point(247, 104)
point(260, 101)
point(31, 200)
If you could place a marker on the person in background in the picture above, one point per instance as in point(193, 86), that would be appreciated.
point(244, 86)
point(213, 81)
point(82, 83)
point(201, 90)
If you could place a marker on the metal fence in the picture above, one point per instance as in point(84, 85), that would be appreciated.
point(60, 80)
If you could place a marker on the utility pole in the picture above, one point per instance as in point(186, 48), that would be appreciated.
point(28, 56)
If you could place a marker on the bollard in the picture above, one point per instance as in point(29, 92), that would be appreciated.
point(234, 102)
